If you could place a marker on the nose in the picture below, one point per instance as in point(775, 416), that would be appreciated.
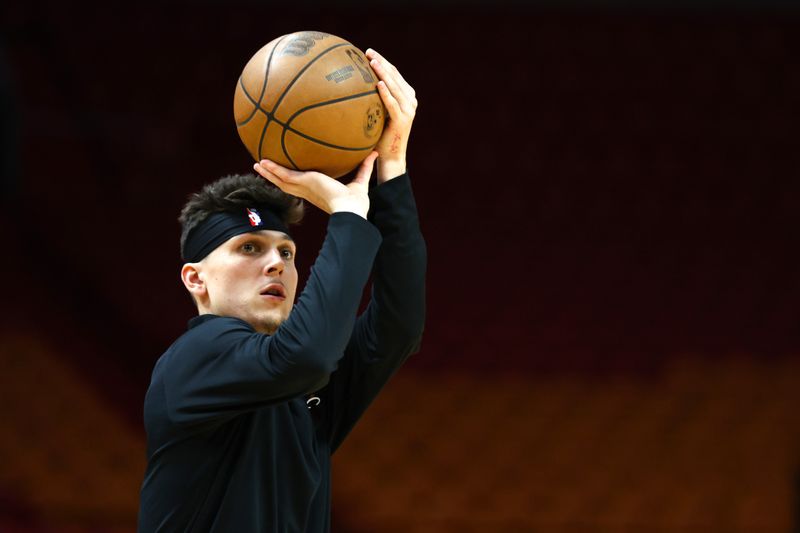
point(273, 265)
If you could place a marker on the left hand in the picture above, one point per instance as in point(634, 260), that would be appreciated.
point(401, 102)
point(328, 194)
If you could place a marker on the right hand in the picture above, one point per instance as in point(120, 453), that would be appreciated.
point(328, 194)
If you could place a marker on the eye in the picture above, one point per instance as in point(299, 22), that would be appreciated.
point(287, 253)
point(249, 248)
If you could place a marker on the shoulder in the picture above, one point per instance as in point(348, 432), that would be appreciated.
point(209, 335)
point(204, 325)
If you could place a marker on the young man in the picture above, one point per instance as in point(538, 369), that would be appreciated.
point(245, 409)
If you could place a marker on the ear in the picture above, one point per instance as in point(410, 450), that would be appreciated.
point(190, 275)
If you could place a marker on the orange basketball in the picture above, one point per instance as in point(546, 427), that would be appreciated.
point(309, 101)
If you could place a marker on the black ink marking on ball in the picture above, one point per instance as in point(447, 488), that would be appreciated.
point(302, 70)
point(341, 74)
point(374, 114)
point(302, 43)
point(361, 65)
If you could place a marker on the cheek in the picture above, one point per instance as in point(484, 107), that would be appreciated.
point(291, 281)
point(225, 284)
point(216, 287)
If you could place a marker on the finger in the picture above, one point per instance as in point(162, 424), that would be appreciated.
point(272, 178)
point(280, 171)
point(391, 103)
point(402, 92)
point(388, 68)
point(389, 75)
point(400, 110)
point(374, 56)
point(365, 170)
point(262, 171)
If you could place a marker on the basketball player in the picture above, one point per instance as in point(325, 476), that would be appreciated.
point(245, 409)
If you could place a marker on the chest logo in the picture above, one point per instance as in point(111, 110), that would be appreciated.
point(313, 401)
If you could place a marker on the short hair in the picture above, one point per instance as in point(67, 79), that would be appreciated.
point(231, 193)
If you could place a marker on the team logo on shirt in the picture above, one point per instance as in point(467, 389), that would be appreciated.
point(313, 401)
point(255, 218)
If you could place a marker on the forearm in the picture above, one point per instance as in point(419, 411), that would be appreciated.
point(399, 274)
point(319, 326)
point(390, 329)
point(399, 293)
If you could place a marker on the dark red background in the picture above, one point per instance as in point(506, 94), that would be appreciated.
point(590, 183)
point(600, 189)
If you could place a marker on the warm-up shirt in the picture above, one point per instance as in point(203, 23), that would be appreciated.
point(241, 425)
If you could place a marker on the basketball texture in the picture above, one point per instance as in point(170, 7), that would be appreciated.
point(309, 101)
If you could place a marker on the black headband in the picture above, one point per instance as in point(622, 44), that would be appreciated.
point(219, 227)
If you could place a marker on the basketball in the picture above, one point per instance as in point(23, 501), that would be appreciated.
point(309, 101)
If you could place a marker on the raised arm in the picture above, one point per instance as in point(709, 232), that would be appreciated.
point(391, 327)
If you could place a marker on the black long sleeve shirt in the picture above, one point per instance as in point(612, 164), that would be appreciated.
point(232, 444)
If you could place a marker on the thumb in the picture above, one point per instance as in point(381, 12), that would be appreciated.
point(365, 170)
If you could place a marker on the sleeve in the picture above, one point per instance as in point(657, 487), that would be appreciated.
point(390, 329)
point(227, 367)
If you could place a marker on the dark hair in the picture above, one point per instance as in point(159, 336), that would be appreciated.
point(230, 194)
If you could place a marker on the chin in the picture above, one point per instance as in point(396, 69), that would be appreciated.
point(268, 324)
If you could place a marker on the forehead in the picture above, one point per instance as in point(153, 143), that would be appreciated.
point(263, 235)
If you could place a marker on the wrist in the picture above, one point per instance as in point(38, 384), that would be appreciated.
point(390, 168)
point(345, 205)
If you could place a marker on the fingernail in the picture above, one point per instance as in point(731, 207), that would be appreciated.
point(374, 62)
point(265, 162)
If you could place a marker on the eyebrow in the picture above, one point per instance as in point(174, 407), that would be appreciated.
point(286, 238)
point(282, 237)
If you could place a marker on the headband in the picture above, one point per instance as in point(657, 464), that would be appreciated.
point(219, 227)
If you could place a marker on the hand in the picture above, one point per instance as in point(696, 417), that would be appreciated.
point(401, 103)
point(330, 195)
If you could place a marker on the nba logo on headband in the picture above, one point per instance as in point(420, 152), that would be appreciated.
point(255, 218)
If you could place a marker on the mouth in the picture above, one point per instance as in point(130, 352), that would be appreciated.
point(274, 290)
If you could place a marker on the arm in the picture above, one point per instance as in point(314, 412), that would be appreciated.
point(391, 327)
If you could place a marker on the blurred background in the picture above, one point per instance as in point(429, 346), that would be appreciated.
point(609, 195)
